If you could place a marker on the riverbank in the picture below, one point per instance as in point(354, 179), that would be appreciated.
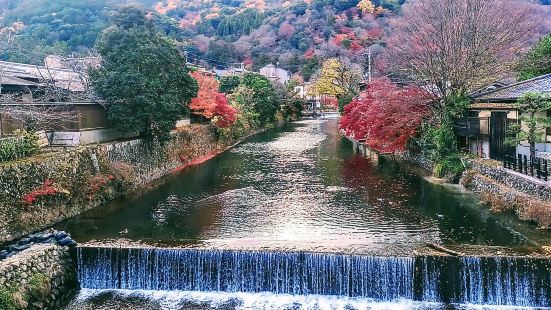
point(41, 191)
point(507, 191)
point(501, 189)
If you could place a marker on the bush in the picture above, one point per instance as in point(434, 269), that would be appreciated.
point(39, 286)
point(6, 302)
point(22, 145)
point(450, 167)
point(346, 99)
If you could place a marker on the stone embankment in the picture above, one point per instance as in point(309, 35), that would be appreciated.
point(43, 276)
point(506, 190)
point(43, 190)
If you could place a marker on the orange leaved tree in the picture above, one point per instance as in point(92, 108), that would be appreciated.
point(210, 104)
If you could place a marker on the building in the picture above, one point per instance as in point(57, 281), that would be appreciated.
point(53, 98)
point(483, 130)
point(275, 74)
point(303, 91)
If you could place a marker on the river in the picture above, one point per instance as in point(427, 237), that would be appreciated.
point(292, 218)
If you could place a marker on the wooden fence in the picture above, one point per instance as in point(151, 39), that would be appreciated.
point(534, 166)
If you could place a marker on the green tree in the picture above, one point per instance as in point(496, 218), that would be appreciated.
point(228, 84)
point(535, 107)
point(538, 60)
point(263, 98)
point(143, 77)
point(346, 99)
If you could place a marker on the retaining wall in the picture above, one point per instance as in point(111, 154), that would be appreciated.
point(506, 190)
point(43, 190)
point(41, 277)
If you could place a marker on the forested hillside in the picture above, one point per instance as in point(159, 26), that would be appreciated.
point(297, 34)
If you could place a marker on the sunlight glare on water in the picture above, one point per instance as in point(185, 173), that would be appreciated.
point(299, 187)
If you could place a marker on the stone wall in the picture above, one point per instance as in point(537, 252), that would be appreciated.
point(507, 190)
point(40, 277)
point(43, 190)
point(417, 159)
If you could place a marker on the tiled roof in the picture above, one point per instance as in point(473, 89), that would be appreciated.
point(541, 84)
point(11, 80)
point(63, 78)
point(491, 105)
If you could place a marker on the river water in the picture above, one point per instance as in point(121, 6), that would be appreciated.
point(291, 210)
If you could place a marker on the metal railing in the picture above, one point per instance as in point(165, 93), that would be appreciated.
point(533, 166)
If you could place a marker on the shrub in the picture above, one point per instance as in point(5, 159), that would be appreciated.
point(47, 189)
point(6, 302)
point(39, 286)
point(22, 145)
point(450, 167)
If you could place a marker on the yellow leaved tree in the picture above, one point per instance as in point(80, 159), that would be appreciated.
point(366, 6)
point(336, 78)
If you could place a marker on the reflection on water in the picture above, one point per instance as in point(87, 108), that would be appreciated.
point(297, 186)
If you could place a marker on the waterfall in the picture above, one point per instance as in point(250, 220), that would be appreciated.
point(488, 280)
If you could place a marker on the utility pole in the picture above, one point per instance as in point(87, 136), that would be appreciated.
point(367, 72)
point(369, 65)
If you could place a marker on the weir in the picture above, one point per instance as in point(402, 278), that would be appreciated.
point(515, 281)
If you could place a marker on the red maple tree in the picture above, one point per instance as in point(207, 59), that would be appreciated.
point(224, 114)
point(386, 115)
point(210, 103)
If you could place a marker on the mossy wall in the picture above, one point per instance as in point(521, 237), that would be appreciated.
point(43, 190)
point(41, 277)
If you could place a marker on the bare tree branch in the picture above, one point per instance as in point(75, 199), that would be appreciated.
point(459, 45)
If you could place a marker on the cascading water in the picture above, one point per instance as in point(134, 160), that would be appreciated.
point(492, 280)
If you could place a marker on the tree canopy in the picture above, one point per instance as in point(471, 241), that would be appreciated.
point(461, 45)
point(143, 77)
point(538, 60)
point(210, 104)
point(386, 116)
point(336, 77)
point(263, 98)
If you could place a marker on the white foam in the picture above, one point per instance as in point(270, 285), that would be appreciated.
point(169, 300)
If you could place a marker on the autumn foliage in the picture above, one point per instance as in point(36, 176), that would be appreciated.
point(386, 116)
point(210, 103)
point(48, 188)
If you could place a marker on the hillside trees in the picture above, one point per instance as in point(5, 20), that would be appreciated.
point(143, 77)
point(537, 61)
point(55, 27)
point(366, 6)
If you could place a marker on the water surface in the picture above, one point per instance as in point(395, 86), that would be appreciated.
point(301, 187)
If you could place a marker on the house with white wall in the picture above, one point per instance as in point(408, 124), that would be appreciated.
point(484, 129)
